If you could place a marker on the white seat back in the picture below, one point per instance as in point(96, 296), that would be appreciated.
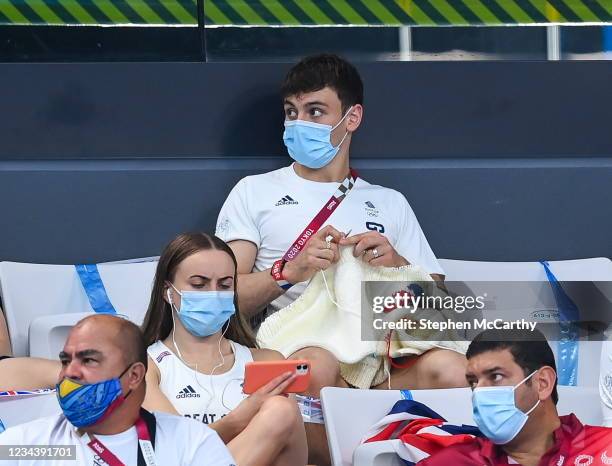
point(48, 334)
point(20, 409)
point(344, 432)
point(536, 294)
point(592, 269)
point(33, 291)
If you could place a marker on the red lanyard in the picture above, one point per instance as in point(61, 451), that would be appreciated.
point(144, 441)
point(319, 219)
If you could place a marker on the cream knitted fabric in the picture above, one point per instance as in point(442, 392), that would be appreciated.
point(314, 320)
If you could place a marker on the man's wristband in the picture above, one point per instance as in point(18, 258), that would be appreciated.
point(277, 274)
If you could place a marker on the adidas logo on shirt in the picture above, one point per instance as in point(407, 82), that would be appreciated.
point(287, 200)
point(188, 392)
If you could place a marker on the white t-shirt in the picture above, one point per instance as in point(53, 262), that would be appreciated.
point(605, 382)
point(273, 208)
point(199, 396)
point(178, 442)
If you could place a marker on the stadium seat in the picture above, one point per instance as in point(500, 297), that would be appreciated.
point(344, 433)
point(41, 302)
point(539, 295)
point(19, 409)
point(48, 333)
point(593, 269)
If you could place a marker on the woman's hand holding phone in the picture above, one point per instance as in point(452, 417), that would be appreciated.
point(250, 406)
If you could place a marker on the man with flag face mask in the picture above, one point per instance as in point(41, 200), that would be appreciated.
point(514, 382)
point(100, 390)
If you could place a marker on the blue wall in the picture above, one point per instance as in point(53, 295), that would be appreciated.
point(500, 161)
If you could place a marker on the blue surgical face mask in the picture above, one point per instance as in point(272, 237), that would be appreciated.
point(496, 414)
point(88, 404)
point(309, 144)
point(203, 313)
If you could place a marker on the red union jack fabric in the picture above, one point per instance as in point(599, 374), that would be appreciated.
point(41, 391)
point(415, 431)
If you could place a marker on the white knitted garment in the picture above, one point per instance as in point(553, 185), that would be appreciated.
point(314, 320)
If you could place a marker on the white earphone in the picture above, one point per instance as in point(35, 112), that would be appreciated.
point(196, 373)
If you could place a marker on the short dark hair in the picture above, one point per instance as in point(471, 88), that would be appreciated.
point(529, 349)
point(129, 337)
point(132, 340)
point(315, 72)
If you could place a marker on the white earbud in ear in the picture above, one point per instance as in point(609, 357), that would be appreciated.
point(169, 296)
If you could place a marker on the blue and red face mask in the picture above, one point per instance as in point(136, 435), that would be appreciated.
point(88, 404)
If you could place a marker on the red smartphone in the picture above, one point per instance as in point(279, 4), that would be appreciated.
point(259, 373)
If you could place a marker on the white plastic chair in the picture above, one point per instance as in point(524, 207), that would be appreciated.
point(42, 302)
point(349, 414)
point(25, 408)
point(592, 269)
point(538, 294)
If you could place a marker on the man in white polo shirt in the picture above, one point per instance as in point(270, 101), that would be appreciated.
point(277, 223)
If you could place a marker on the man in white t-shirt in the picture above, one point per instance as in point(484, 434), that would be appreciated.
point(264, 214)
point(101, 388)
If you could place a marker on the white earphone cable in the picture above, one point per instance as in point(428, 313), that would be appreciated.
point(211, 393)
